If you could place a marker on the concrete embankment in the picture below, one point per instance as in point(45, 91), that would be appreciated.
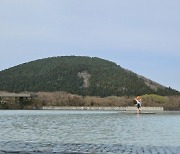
point(128, 108)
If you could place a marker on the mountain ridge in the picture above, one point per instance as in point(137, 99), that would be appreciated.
point(79, 75)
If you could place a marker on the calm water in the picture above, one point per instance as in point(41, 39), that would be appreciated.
point(97, 127)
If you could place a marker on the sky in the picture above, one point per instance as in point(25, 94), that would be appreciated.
point(139, 35)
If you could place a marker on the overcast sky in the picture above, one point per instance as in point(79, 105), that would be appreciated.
point(140, 35)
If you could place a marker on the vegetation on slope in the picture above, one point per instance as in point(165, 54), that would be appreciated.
point(77, 75)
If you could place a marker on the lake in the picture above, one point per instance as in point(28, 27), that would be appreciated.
point(90, 127)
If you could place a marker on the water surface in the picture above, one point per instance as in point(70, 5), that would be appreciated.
point(96, 127)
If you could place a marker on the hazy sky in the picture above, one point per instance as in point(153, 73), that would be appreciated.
point(139, 35)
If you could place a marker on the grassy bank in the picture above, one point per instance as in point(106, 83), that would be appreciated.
point(168, 102)
point(67, 99)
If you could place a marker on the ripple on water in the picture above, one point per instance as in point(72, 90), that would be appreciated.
point(94, 127)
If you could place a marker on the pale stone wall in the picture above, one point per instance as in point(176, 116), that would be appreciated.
point(129, 108)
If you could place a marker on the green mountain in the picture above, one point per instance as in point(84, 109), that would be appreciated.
point(78, 75)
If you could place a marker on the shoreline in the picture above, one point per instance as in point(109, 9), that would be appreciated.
point(128, 108)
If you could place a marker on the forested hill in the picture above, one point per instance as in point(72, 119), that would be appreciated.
point(78, 75)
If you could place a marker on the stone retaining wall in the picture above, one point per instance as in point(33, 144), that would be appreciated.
point(129, 108)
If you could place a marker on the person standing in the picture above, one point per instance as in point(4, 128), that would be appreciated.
point(138, 104)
